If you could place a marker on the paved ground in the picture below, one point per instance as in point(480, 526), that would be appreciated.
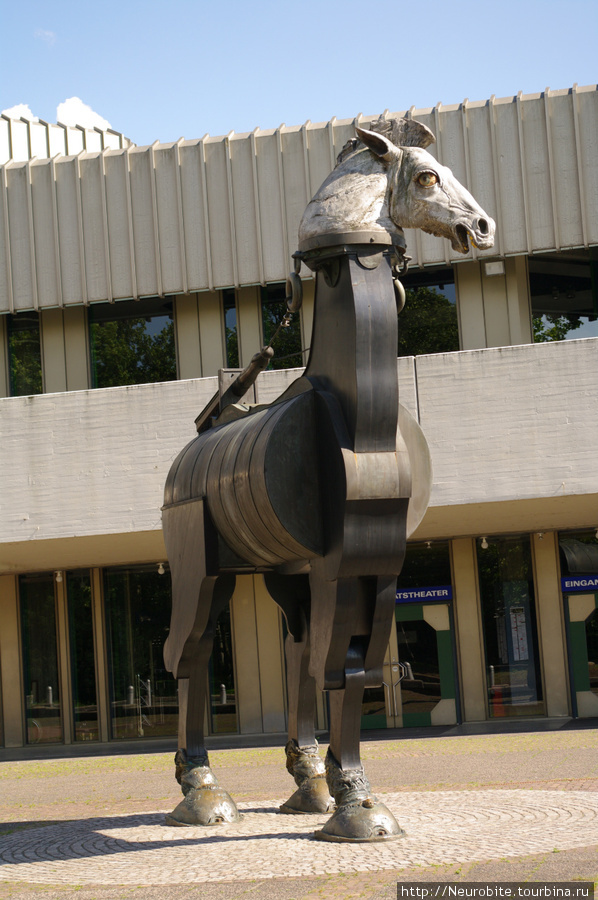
point(486, 807)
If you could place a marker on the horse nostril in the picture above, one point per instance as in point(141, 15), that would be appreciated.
point(483, 226)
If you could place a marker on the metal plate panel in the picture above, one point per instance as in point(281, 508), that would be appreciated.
point(142, 207)
point(42, 184)
point(94, 227)
point(245, 212)
point(119, 234)
point(21, 237)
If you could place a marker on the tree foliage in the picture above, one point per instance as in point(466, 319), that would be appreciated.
point(287, 347)
point(25, 362)
point(554, 327)
point(427, 324)
point(124, 352)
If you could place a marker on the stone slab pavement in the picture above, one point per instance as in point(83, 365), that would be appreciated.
point(491, 807)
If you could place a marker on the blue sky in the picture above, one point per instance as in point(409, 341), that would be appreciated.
point(164, 70)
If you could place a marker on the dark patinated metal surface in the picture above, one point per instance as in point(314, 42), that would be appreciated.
point(319, 490)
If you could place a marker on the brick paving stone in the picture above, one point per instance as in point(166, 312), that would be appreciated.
point(442, 828)
point(476, 808)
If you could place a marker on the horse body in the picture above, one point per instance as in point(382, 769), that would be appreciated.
point(318, 490)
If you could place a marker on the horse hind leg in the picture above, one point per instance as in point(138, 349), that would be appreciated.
point(359, 815)
point(304, 762)
point(204, 801)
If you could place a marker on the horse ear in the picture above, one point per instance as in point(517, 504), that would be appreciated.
point(404, 132)
point(414, 134)
point(378, 144)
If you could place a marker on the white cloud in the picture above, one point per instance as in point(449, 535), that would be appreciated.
point(74, 112)
point(48, 37)
point(21, 110)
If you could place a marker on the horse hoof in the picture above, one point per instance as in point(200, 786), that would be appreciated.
point(312, 797)
point(204, 806)
point(362, 821)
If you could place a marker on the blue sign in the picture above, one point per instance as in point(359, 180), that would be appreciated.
point(579, 583)
point(416, 595)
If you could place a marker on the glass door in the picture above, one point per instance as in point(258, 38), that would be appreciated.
point(420, 686)
point(582, 629)
point(514, 679)
point(426, 691)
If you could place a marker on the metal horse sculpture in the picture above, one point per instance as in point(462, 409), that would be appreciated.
point(320, 489)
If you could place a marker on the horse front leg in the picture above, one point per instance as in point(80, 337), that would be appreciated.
point(204, 801)
point(359, 815)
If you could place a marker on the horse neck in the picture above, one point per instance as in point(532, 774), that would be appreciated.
point(354, 346)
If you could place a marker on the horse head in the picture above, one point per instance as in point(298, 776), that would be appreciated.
point(386, 181)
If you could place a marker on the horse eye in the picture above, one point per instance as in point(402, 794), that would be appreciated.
point(427, 179)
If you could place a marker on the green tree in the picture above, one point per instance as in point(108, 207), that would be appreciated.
point(427, 324)
point(124, 352)
point(554, 327)
point(25, 361)
point(287, 346)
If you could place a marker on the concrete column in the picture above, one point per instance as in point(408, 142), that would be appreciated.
point(65, 349)
point(249, 323)
point(211, 333)
point(4, 379)
point(494, 310)
point(519, 300)
point(11, 667)
point(53, 350)
point(76, 347)
point(307, 314)
point(64, 661)
point(188, 344)
point(100, 654)
point(245, 648)
point(271, 658)
point(551, 624)
point(469, 634)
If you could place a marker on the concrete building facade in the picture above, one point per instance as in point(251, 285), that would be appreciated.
point(130, 276)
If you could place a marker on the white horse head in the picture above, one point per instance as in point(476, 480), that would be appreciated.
point(385, 182)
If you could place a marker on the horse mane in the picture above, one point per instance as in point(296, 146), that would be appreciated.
point(401, 132)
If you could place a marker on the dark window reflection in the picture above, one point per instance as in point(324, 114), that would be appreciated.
point(223, 702)
point(143, 697)
point(510, 632)
point(428, 322)
point(40, 659)
point(24, 354)
point(229, 304)
point(564, 297)
point(83, 672)
point(287, 347)
point(132, 342)
point(426, 565)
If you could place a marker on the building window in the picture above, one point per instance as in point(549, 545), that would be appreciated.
point(287, 347)
point(24, 354)
point(143, 695)
point(223, 700)
point(132, 342)
point(509, 621)
point(428, 322)
point(40, 659)
point(229, 305)
point(564, 297)
point(81, 643)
